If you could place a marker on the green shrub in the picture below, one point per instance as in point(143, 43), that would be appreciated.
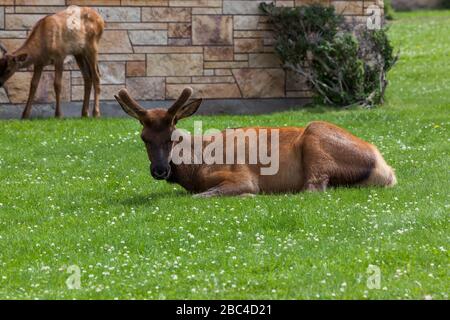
point(344, 65)
point(388, 10)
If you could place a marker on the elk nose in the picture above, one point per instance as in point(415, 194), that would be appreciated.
point(160, 172)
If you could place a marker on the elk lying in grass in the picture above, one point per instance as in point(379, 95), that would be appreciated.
point(74, 31)
point(311, 158)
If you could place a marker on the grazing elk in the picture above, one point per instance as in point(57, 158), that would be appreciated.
point(75, 31)
point(310, 158)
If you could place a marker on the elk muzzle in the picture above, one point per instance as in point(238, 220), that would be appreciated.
point(160, 172)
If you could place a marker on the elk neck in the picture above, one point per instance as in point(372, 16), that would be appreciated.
point(186, 175)
point(32, 47)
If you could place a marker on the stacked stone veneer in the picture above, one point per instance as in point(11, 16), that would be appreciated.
point(222, 49)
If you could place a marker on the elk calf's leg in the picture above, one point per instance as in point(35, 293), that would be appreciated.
point(87, 79)
point(33, 86)
point(96, 111)
point(57, 84)
point(93, 67)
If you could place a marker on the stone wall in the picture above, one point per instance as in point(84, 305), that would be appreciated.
point(221, 48)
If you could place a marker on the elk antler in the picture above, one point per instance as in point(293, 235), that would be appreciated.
point(187, 92)
point(3, 48)
point(129, 105)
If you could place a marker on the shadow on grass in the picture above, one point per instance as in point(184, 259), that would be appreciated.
point(152, 198)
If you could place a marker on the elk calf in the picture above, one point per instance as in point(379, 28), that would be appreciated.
point(74, 31)
point(311, 158)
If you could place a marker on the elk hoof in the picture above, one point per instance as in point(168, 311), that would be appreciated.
point(96, 114)
point(247, 195)
point(316, 187)
point(201, 195)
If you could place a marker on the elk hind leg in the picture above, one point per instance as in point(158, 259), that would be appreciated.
point(319, 183)
point(96, 111)
point(87, 78)
point(57, 85)
point(318, 166)
point(382, 174)
point(92, 62)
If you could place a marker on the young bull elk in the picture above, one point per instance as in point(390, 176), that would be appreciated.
point(75, 31)
point(311, 158)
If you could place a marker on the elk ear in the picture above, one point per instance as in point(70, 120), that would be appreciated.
point(129, 105)
point(178, 104)
point(188, 109)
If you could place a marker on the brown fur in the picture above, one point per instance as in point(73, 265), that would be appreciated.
point(49, 43)
point(311, 158)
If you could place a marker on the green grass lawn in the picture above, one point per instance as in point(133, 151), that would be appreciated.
point(78, 192)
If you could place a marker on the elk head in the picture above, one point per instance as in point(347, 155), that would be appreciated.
point(9, 64)
point(158, 126)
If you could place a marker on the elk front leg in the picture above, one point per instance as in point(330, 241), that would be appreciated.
point(228, 186)
point(226, 190)
point(33, 86)
point(57, 84)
